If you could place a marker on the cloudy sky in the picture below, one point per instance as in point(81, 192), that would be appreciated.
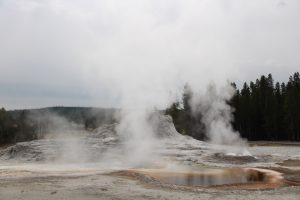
point(108, 52)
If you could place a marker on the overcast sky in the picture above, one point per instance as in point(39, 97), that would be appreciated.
point(108, 52)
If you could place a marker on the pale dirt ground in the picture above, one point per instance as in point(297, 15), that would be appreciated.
point(23, 176)
point(27, 186)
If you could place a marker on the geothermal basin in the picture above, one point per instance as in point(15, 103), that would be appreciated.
point(94, 166)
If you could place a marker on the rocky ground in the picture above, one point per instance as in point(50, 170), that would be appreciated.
point(101, 186)
point(86, 165)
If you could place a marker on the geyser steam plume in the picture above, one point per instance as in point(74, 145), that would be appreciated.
point(137, 54)
point(212, 104)
point(138, 137)
point(217, 118)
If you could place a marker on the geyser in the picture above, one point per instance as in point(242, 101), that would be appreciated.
point(217, 117)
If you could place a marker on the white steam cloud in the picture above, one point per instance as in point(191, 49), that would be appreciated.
point(138, 135)
point(217, 118)
point(137, 54)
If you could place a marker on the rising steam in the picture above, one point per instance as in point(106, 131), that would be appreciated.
point(138, 136)
point(217, 117)
point(136, 55)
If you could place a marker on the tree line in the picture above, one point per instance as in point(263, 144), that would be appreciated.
point(262, 110)
point(267, 111)
point(17, 129)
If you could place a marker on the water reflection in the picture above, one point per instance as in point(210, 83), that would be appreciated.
point(223, 177)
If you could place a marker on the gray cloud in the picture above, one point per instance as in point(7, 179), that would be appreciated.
point(106, 53)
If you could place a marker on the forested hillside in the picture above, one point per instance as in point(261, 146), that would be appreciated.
point(268, 111)
point(262, 110)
